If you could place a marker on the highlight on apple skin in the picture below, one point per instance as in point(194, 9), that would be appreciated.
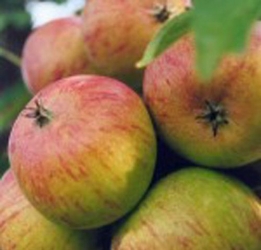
point(22, 227)
point(84, 150)
point(193, 208)
point(53, 51)
point(214, 123)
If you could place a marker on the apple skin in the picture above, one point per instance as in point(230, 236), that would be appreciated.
point(94, 158)
point(176, 96)
point(114, 44)
point(22, 227)
point(195, 209)
point(53, 51)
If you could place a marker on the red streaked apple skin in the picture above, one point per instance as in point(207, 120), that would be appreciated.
point(53, 51)
point(176, 96)
point(115, 44)
point(195, 209)
point(94, 160)
point(22, 227)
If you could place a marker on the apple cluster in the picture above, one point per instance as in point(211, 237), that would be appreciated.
point(109, 156)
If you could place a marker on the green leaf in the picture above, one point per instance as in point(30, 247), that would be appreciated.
point(19, 19)
point(169, 33)
point(12, 101)
point(221, 27)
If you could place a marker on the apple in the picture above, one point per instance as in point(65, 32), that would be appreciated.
point(215, 122)
point(84, 150)
point(116, 33)
point(195, 209)
point(53, 51)
point(23, 227)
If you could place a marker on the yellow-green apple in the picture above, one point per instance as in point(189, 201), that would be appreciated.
point(195, 209)
point(215, 122)
point(22, 227)
point(84, 150)
point(117, 32)
point(53, 51)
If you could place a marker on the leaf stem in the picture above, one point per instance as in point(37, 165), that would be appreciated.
point(10, 56)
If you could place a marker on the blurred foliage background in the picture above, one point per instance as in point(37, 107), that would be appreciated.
point(15, 25)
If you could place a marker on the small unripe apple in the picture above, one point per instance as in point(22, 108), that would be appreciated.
point(84, 150)
point(116, 33)
point(195, 209)
point(215, 122)
point(53, 51)
point(22, 227)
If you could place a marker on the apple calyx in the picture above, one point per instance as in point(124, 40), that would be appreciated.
point(161, 12)
point(215, 115)
point(39, 113)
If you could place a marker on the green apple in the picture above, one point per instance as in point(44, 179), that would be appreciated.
point(195, 209)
